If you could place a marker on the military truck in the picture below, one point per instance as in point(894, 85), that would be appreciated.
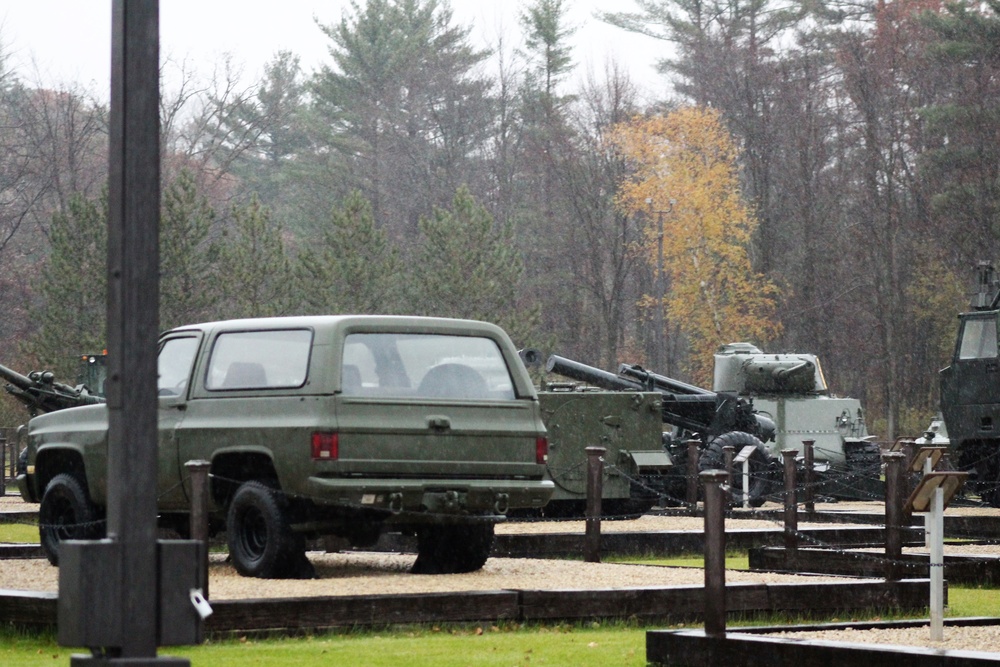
point(970, 390)
point(337, 425)
point(791, 389)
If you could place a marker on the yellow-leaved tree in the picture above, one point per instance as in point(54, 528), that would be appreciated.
point(684, 167)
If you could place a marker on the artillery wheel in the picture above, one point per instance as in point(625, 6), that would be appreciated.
point(713, 458)
point(66, 513)
point(261, 541)
point(452, 548)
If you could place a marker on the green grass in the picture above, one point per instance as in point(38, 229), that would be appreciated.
point(19, 533)
point(461, 647)
point(968, 601)
point(734, 561)
point(586, 645)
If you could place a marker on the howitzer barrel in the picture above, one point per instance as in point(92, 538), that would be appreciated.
point(20, 381)
point(661, 382)
point(584, 373)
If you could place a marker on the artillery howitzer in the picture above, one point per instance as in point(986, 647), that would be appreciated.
point(717, 419)
point(40, 393)
point(701, 412)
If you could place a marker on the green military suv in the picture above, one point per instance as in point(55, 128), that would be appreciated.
point(334, 425)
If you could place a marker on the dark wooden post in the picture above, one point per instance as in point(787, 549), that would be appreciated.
point(198, 519)
point(692, 475)
point(715, 552)
point(133, 314)
point(791, 505)
point(808, 453)
point(728, 453)
point(595, 477)
point(894, 489)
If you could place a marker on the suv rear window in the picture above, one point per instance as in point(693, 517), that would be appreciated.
point(259, 360)
point(425, 365)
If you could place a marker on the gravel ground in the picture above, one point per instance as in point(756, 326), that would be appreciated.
point(378, 573)
point(968, 638)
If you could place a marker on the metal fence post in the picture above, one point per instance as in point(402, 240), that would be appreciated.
point(809, 496)
point(3, 465)
point(791, 505)
point(715, 552)
point(198, 519)
point(595, 475)
point(692, 475)
point(893, 512)
point(728, 453)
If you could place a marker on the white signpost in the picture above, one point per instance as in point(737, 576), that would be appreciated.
point(933, 494)
point(744, 458)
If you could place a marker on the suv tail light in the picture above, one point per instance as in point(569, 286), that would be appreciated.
point(325, 446)
point(541, 449)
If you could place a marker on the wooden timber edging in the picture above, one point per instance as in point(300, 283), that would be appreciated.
point(984, 570)
point(693, 648)
point(557, 545)
point(9, 550)
point(561, 545)
point(666, 604)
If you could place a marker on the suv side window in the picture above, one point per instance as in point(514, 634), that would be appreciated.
point(259, 360)
point(979, 339)
point(174, 365)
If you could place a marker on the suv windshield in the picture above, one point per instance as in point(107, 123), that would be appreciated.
point(979, 339)
point(425, 365)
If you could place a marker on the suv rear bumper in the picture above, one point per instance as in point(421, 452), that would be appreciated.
point(451, 496)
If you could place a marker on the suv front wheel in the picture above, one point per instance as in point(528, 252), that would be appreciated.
point(66, 513)
point(261, 541)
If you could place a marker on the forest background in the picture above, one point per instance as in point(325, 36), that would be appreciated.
point(821, 177)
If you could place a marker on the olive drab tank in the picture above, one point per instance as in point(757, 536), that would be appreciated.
point(790, 389)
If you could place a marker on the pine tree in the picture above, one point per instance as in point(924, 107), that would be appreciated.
point(72, 311)
point(188, 255)
point(351, 268)
point(469, 267)
point(255, 273)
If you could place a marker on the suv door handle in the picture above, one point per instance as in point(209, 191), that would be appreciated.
point(438, 423)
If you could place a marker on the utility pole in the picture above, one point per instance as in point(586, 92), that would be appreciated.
point(123, 596)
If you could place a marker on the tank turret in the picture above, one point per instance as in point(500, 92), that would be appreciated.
point(791, 389)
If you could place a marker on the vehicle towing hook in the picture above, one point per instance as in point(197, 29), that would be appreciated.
point(502, 503)
point(395, 502)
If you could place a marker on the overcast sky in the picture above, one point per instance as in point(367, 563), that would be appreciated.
point(69, 40)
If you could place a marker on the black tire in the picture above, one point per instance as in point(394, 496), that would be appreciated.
point(66, 513)
point(261, 541)
point(761, 466)
point(452, 548)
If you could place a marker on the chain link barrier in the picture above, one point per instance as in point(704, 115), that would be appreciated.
point(656, 495)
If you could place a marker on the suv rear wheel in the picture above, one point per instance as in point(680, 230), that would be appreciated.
point(452, 548)
point(261, 541)
point(66, 513)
